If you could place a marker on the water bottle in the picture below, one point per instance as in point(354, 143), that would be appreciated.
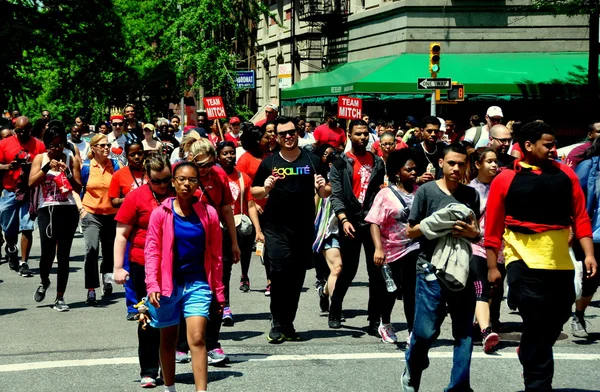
point(389, 279)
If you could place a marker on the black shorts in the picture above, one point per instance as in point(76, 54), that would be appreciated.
point(478, 272)
point(590, 285)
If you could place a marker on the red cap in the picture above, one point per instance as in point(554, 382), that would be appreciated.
point(234, 120)
point(117, 117)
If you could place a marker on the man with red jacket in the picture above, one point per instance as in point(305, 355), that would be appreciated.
point(535, 229)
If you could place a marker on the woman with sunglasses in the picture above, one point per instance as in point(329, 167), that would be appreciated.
point(98, 215)
point(129, 177)
point(57, 173)
point(132, 226)
point(239, 184)
point(183, 272)
point(388, 218)
point(213, 189)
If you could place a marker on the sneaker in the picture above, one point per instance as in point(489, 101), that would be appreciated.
point(91, 298)
point(290, 334)
point(40, 293)
point(275, 336)
point(217, 357)
point(244, 285)
point(323, 298)
point(373, 329)
point(490, 340)
point(227, 317)
point(12, 257)
point(147, 382)
point(60, 305)
point(407, 383)
point(107, 288)
point(24, 271)
point(578, 328)
point(268, 291)
point(182, 357)
point(131, 316)
point(334, 321)
point(388, 335)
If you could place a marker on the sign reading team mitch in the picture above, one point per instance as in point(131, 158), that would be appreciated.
point(214, 108)
point(350, 108)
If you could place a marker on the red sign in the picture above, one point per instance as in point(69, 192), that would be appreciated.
point(350, 108)
point(214, 108)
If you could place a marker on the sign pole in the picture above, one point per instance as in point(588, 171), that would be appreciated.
point(433, 107)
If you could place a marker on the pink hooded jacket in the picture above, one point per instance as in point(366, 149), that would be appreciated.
point(160, 240)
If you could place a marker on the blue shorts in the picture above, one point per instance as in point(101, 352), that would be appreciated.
point(331, 243)
point(14, 216)
point(189, 299)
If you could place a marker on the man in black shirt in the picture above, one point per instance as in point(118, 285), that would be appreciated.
point(290, 178)
point(427, 154)
point(434, 298)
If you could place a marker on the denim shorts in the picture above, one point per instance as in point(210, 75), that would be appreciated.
point(187, 299)
point(331, 243)
point(14, 216)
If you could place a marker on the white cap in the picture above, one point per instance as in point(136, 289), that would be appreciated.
point(272, 106)
point(442, 124)
point(494, 111)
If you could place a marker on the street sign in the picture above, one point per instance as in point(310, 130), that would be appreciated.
point(434, 84)
point(245, 79)
point(214, 108)
point(285, 75)
point(350, 108)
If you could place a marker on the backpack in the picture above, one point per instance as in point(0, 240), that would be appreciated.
point(85, 173)
point(478, 131)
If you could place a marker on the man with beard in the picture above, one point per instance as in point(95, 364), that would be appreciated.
point(355, 180)
point(428, 152)
point(16, 154)
point(500, 139)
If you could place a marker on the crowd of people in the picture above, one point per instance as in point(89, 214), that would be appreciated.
point(444, 218)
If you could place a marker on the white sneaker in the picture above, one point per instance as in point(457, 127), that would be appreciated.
point(388, 335)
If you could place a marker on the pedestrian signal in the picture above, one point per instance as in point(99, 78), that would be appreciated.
point(457, 93)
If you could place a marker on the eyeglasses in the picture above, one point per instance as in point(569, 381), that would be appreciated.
point(205, 165)
point(503, 141)
point(56, 146)
point(117, 124)
point(103, 145)
point(161, 181)
point(182, 180)
point(291, 132)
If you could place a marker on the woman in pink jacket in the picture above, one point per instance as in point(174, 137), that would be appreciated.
point(183, 272)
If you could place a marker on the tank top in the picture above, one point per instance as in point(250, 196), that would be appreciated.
point(50, 194)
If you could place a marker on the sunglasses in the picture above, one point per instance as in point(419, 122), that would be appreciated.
point(182, 180)
point(160, 181)
point(103, 145)
point(117, 124)
point(206, 165)
point(269, 112)
point(291, 132)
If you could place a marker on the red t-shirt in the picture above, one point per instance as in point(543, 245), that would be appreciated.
point(10, 148)
point(248, 164)
point(135, 211)
point(230, 138)
point(325, 135)
point(363, 167)
point(217, 187)
point(235, 187)
point(399, 146)
point(124, 181)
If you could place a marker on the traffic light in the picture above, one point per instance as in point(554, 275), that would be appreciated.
point(457, 93)
point(434, 57)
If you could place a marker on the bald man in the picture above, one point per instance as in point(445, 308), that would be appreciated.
point(16, 154)
point(500, 140)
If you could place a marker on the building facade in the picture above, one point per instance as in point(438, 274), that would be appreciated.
point(314, 34)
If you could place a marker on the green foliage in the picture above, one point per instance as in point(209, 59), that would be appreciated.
point(76, 57)
point(568, 7)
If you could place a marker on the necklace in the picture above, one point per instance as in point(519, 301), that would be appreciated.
point(428, 153)
point(137, 184)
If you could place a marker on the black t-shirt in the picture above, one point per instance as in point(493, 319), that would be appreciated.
point(429, 199)
point(290, 210)
point(422, 158)
point(169, 143)
point(506, 161)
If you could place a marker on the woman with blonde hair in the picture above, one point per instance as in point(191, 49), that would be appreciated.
point(98, 215)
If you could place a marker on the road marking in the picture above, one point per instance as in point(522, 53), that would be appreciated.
point(19, 367)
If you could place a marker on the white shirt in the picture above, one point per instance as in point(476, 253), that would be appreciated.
point(307, 139)
point(484, 140)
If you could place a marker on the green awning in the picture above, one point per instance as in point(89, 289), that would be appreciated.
point(524, 74)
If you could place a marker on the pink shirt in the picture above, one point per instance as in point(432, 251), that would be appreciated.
point(388, 213)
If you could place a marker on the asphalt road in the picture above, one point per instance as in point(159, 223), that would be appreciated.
point(95, 349)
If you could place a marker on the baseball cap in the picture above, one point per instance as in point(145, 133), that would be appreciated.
point(494, 111)
point(234, 120)
point(272, 106)
point(150, 127)
point(412, 120)
point(442, 124)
